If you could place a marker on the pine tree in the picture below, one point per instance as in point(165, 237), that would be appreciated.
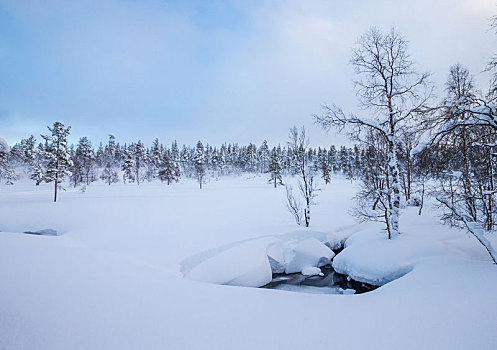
point(57, 155)
point(199, 163)
point(168, 168)
point(128, 166)
point(274, 169)
point(139, 157)
point(264, 157)
point(109, 174)
point(325, 170)
point(83, 162)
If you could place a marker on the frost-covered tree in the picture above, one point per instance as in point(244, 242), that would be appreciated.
point(128, 166)
point(199, 163)
point(57, 156)
point(7, 169)
point(110, 162)
point(392, 92)
point(325, 170)
point(264, 157)
point(84, 157)
point(298, 146)
point(139, 155)
point(168, 168)
point(274, 169)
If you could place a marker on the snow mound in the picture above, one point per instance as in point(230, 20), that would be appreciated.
point(346, 291)
point(312, 271)
point(244, 265)
point(309, 252)
point(251, 263)
point(372, 258)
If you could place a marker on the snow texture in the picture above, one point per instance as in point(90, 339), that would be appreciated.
point(112, 281)
point(312, 271)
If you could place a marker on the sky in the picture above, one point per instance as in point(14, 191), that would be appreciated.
point(216, 71)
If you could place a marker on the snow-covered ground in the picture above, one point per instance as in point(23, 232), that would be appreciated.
point(113, 279)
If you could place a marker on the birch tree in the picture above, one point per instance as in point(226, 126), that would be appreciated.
point(390, 93)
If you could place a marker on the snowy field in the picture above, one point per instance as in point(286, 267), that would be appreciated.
point(113, 278)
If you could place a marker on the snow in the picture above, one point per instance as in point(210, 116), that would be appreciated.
point(312, 271)
point(243, 265)
point(306, 253)
point(115, 278)
point(251, 263)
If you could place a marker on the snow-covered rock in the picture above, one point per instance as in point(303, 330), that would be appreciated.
point(312, 271)
point(309, 252)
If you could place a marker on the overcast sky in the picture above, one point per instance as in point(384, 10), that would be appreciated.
point(236, 71)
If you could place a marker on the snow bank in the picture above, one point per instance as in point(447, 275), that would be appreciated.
point(251, 263)
point(306, 253)
point(243, 265)
point(372, 258)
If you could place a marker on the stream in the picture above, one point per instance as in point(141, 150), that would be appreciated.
point(330, 283)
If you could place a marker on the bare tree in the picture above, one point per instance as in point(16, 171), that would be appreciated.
point(298, 146)
point(392, 93)
point(294, 204)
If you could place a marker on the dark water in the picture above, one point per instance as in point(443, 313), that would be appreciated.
point(330, 283)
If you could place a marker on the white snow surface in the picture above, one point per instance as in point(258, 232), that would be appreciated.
point(307, 253)
point(251, 263)
point(312, 271)
point(112, 279)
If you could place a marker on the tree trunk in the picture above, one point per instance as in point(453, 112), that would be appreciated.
point(395, 190)
point(56, 183)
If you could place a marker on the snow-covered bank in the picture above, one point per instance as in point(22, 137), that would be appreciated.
point(112, 280)
point(369, 257)
point(251, 263)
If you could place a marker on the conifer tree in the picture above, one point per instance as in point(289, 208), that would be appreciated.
point(325, 170)
point(199, 163)
point(275, 169)
point(128, 166)
point(168, 168)
point(57, 155)
point(109, 173)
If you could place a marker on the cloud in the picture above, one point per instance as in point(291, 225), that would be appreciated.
point(235, 71)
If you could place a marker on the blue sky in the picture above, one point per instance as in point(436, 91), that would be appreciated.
point(211, 70)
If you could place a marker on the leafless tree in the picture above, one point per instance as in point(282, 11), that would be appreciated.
point(294, 204)
point(298, 145)
point(392, 93)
